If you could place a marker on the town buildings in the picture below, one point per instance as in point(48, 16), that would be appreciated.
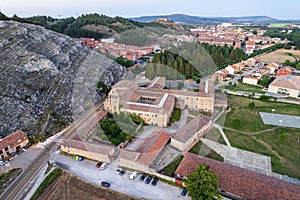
point(108, 46)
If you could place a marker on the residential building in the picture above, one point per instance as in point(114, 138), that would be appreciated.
point(240, 182)
point(231, 70)
point(12, 144)
point(220, 75)
point(286, 85)
point(285, 71)
point(250, 80)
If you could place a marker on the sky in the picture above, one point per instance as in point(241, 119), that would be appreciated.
point(280, 9)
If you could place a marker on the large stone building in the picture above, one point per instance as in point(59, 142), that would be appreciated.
point(240, 183)
point(94, 151)
point(142, 157)
point(12, 143)
point(190, 134)
point(155, 104)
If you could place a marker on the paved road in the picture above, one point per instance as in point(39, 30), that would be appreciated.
point(87, 170)
point(13, 191)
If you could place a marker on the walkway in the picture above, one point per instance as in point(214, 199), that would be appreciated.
point(222, 133)
point(241, 158)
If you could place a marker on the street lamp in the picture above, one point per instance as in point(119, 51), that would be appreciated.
point(273, 110)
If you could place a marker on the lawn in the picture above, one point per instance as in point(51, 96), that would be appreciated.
point(243, 118)
point(289, 149)
point(175, 116)
point(286, 142)
point(171, 168)
point(203, 150)
point(246, 88)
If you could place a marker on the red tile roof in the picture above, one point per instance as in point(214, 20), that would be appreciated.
point(148, 150)
point(290, 82)
point(12, 139)
point(188, 131)
point(241, 182)
point(88, 146)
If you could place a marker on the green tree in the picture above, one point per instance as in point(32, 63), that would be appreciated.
point(202, 184)
point(287, 63)
point(251, 105)
point(265, 81)
point(180, 85)
point(150, 73)
point(298, 65)
point(255, 32)
point(103, 88)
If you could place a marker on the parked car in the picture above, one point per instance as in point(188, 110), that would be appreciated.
point(133, 175)
point(154, 182)
point(119, 170)
point(183, 192)
point(104, 165)
point(143, 176)
point(105, 184)
point(148, 179)
point(2, 162)
point(99, 164)
point(122, 172)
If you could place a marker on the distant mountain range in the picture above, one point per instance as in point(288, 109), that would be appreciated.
point(212, 20)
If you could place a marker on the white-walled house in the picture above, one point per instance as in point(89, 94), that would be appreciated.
point(287, 85)
point(230, 70)
point(250, 80)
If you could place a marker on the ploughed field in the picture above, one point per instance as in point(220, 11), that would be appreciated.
point(70, 187)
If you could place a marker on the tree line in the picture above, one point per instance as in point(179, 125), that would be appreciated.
point(195, 60)
point(75, 27)
point(294, 36)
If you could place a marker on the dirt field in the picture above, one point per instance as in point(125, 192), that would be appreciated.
point(280, 56)
point(68, 187)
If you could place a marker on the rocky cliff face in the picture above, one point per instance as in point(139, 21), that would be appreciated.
point(47, 79)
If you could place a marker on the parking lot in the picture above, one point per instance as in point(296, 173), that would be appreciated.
point(87, 170)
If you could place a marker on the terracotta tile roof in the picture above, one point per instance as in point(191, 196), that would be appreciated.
point(251, 77)
point(88, 146)
point(241, 182)
point(91, 122)
point(188, 131)
point(290, 82)
point(167, 105)
point(12, 139)
point(157, 83)
point(148, 150)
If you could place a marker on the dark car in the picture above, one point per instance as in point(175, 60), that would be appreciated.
point(154, 182)
point(143, 176)
point(148, 179)
point(99, 164)
point(183, 192)
point(105, 184)
point(122, 172)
